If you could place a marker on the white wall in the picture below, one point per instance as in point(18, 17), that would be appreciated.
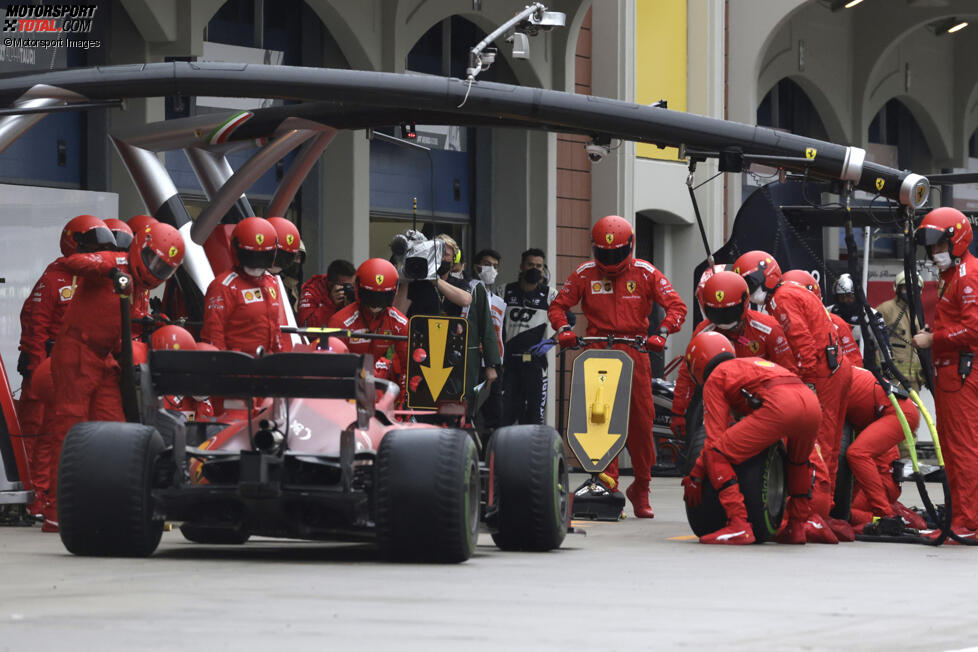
point(31, 221)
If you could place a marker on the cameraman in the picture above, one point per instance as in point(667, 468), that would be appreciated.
point(325, 294)
point(443, 295)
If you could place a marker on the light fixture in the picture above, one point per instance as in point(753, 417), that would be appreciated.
point(948, 26)
point(836, 5)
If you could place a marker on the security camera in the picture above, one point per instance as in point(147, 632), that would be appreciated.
point(596, 152)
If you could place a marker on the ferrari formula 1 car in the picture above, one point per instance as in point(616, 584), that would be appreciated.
point(319, 457)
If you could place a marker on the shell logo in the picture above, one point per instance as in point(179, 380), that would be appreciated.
point(596, 286)
point(289, 239)
point(380, 279)
point(609, 237)
point(66, 293)
point(763, 363)
point(259, 238)
point(173, 252)
point(176, 347)
point(249, 296)
point(719, 294)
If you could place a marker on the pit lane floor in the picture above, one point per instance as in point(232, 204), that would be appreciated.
point(631, 585)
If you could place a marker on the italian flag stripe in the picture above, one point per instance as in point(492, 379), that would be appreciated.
point(222, 133)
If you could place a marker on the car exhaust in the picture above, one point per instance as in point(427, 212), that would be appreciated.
point(269, 439)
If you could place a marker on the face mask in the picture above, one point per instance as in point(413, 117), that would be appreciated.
point(444, 268)
point(487, 274)
point(532, 276)
point(274, 270)
point(456, 274)
point(254, 271)
point(902, 294)
point(728, 327)
point(759, 296)
point(942, 260)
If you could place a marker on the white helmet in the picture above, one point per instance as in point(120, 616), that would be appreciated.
point(901, 279)
point(844, 285)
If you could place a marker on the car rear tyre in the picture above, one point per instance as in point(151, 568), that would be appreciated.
point(427, 495)
point(105, 507)
point(529, 489)
point(842, 500)
point(762, 481)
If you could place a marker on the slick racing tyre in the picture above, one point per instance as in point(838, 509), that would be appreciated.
point(762, 481)
point(427, 494)
point(528, 503)
point(842, 500)
point(213, 536)
point(104, 480)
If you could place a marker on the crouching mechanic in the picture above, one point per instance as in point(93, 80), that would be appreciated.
point(774, 404)
point(875, 448)
point(815, 344)
point(725, 304)
point(85, 371)
point(616, 292)
point(242, 306)
point(374, 312)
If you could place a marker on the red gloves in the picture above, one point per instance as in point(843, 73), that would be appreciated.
point(677, 423)
point(567, 339)
point(692, 491)
point(655, 343)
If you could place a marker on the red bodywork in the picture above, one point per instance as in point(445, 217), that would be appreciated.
point(13, 427)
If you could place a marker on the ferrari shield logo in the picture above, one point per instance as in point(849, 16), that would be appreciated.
point(810, 152)
point(259, 238)
point(271, 291)
point(719, 295)
point(630, 286)
point(380, 279)
point(880, 183)
point(754, 346)
point(609, 237)
point(921, 193)
point(173, 252)
point(289, 239)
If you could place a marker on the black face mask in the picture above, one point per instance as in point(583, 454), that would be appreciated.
point(532, 276)
point(848, 311)
point(902, 294)
point(444, 268)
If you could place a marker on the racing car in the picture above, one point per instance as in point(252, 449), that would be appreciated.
point(318, 456)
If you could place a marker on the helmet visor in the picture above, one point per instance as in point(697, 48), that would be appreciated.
point(122, 240)
point(157, 266)
point(727, 315)
point(928, 236)
point(611, 257)
point(376, 298)
point(95, 239)
point(754, 280)
point(285, 258)
point(260, 259)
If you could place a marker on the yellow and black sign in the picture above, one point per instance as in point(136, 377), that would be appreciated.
point(601, 394)
point(811, 153)
point(436, 361)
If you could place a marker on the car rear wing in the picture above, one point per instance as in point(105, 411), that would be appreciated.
point(239, 375)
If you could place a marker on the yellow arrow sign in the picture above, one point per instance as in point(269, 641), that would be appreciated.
point(600, 386)
point(436, 375)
